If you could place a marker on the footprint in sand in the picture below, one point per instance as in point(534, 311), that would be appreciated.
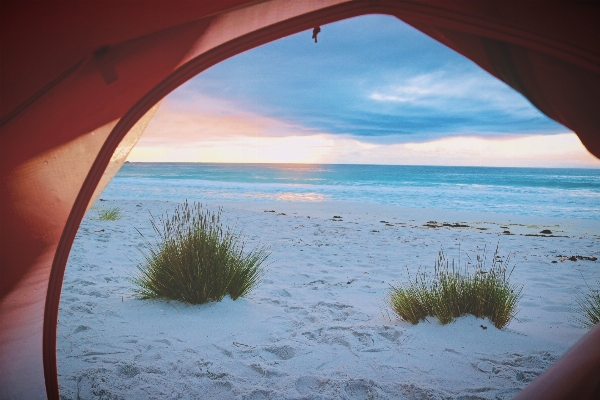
point(520, 368)
point(128, 370)
point(361, 389)
point(81, 328)
point(283, 352)
point(306, 385)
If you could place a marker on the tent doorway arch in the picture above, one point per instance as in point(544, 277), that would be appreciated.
point(61, 159)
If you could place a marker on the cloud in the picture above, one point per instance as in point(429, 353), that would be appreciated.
point(210, 144)
point(421, 89)
point(563, 150)
point(442, 91)
point(374, 90)
point(371, 76)
point(186, 123)
point(245, 149)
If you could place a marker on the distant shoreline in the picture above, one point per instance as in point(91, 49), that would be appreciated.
point(384, 165)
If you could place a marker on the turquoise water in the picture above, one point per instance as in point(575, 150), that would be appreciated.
point(553, 192)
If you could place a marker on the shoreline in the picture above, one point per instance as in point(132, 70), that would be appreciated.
point(323, 208)
point(306, 332)
point(557, 192)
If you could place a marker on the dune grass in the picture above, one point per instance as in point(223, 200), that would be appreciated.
point(589, 307)
point(196, 260)
point(452, 292)
point(109, 214)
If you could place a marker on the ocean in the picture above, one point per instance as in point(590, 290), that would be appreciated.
point(546, 192)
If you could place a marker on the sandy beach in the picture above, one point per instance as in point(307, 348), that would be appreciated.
point(318, 326)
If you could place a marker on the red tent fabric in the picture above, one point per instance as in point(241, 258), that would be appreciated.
point(75, 77)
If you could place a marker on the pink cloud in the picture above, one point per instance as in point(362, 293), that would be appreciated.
point(183, 123)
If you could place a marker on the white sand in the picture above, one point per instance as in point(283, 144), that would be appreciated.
point(317, 327)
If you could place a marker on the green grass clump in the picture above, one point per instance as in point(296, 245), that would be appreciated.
point(109, 214)
point(589, 308)
point(196, 260)
point(453, 292)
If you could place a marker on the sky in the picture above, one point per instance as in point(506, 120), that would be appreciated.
point(373, 90)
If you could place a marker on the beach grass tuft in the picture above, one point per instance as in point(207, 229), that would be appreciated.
point(589, 307)
point(109, 214)
point(195, 260)
point(452, 292)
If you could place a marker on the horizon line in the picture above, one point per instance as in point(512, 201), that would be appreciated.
point(388, 165)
